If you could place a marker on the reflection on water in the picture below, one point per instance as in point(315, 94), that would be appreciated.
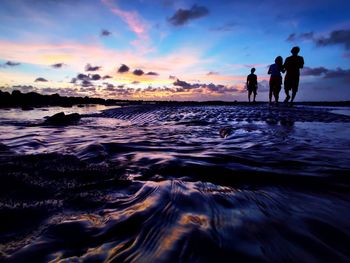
point(160, 185)
point(342, 110)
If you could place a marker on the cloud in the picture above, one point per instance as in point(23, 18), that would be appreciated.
point(123, 68)
point(81, 76)
point(183, 16)
point(109, 87)
point(292, 37)
point(336, 37)
point(88, 89)
point(301, 37)
point(225, 28)
point(338, 73)
point(263, 86)
point(346, 55)
point(85, 80)
point(9, 64)
point(135, 82)
point(221, 89)
point(94, 76)
point(177, 62)
point(182, 84)
point(138, 72)
point(62, 92)
point(203, 88)
point(327, 73)
point(307, 71)
point(88, 67)
point(86, 83)
point(105, 33)
point(40, 80)
point(57, 65)
point(12, 64)
point(172, 77)
point(132, 19)
point(151, 73)
point(211, 73)
point(24, 88)
point(106, 77)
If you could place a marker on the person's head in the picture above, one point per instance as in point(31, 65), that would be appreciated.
point(295, 50)
point(279, 60)
point(252, 70)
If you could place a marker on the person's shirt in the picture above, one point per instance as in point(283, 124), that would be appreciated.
point(274, 70)
point(252, 80)
point(293, 64)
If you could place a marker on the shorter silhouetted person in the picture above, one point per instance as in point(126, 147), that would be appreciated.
point(252, 84)
point(292, 65)
point(276, 78)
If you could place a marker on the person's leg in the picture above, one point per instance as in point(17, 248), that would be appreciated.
point(286, 88)
point(277, 93)
point(295, 89)
point(271, 84)
point(254, 92)
point(249, 94)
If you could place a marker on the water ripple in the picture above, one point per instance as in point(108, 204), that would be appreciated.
point(161, 184)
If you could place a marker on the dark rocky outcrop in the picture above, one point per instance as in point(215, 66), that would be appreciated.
point(63, 119)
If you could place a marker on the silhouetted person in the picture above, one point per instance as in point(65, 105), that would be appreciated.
point(252, 84)
point(276, 78)
point(292, 65)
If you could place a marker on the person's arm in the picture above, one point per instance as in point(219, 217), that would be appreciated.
point(301, 62)
point(285, 65)
point(282, 69)
point(269, 72)
point(246, 84)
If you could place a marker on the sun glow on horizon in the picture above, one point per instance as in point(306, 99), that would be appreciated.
point(167, 55)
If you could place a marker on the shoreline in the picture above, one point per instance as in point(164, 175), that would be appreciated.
point(28, 101)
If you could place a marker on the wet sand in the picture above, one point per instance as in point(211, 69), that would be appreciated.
point(159, 183)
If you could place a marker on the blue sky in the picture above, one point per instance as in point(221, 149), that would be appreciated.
point(209, 46)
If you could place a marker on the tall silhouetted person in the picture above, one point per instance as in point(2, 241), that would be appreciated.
point(292, 65)
point(252, 84)
point(276, 78)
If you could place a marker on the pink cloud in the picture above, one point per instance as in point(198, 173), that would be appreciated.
point(135, 22)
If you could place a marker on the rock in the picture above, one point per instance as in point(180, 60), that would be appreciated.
point(5, 150)
point(80, 106)
point(287, 122)
point(271, 121)
point(225, 131)
point(27, 108)
point(63, 119)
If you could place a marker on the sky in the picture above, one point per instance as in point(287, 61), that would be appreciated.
point(172, 49)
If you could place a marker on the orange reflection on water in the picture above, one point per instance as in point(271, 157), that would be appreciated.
point(186, 224)
point(200, 220)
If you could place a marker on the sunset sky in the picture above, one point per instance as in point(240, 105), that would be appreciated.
point(171, 50)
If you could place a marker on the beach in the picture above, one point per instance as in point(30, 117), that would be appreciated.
point(176, 183)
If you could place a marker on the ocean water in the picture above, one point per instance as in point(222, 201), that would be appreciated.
point(154, 183)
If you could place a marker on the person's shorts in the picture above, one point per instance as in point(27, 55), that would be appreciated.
point(291, 83)
point(275, 83)
point(252, 89)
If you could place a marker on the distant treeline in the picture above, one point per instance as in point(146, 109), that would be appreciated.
point(33, 99)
